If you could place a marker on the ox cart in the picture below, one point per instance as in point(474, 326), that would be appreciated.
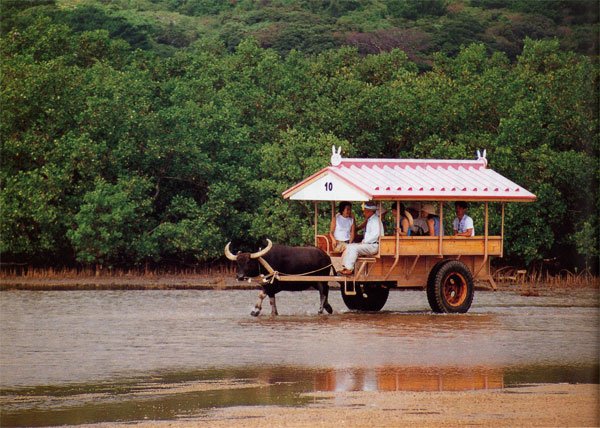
point(445, 266)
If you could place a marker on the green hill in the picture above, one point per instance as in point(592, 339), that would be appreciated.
point(419, 28)
point(138, 131)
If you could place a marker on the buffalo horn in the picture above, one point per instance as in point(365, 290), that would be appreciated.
point(228, 253)
point(262, 252)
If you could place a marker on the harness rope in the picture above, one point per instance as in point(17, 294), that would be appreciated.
point(273, 274)
point(305, 273)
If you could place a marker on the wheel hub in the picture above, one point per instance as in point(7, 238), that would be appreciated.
point(455, 289)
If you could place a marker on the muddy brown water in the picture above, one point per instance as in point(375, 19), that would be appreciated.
point(70, 357)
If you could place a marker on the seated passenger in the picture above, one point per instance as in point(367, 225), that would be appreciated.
point(428, 211)
point(370, 243)
point(406, 219)
point(342, 227)
point(419, 227)
point(463, 224)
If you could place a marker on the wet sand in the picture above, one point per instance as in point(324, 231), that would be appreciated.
point(535, 405)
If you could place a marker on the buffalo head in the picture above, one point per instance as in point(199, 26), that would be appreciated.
point(247, 263)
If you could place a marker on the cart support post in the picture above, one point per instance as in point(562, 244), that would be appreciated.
point(440, 244)
point(381, 229)
point(502, 232)
point(485, 249)
point(397, 229)
point(316, 222)
point(397, 232)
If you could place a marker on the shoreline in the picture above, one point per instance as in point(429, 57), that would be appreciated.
point(208, 282)
point(531, 405)
point(163, 282)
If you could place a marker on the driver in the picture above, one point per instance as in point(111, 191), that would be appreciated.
point(370, 243)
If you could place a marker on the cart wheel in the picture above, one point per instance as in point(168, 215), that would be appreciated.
point(452, 288)
point(369, 297)
point(431, 286)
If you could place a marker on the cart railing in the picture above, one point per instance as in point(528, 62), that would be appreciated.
point(451, 246)
point(429, 245)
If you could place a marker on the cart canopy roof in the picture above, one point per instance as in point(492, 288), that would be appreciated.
point(407, 179)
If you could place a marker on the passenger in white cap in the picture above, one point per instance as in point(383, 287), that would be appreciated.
point(370, 243)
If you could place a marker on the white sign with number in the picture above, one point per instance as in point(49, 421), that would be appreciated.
point(329, 187)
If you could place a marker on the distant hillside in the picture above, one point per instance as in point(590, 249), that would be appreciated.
point(419, 28)
point(156, 131)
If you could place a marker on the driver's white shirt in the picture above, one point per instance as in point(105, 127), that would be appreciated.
point(372, 230)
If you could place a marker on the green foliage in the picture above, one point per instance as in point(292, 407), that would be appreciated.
point(306, 38)
point(112, 223)
point(202, 7)
point(187, 231)
point(530, 228)
point(460, 31)
point(111, 154)
point(415, 9)
point(90, 18)
point(586, 240)
point(19, 13)
point(31, 220)
point(579, 10)
point(370, 17)
point(315, 26)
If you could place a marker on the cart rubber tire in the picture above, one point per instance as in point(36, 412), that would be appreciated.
point(431, 287)
point(369, 297)
point(352, 302)
point(453, 288)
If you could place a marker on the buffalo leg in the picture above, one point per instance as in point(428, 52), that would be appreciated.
point(324, 293)
point(258, 306)
point(273, 305)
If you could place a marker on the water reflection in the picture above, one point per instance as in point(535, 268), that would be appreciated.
point(178, 395)
point(385, 323)
point(416, 379)
point(190, 394)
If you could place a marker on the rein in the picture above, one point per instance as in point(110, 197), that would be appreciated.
point(273, 274)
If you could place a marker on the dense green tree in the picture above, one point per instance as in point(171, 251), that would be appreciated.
point(113, 223)
point(115, 155)
point(459, 31)
point(416, 9)
point(187, 232)
point(90, 18)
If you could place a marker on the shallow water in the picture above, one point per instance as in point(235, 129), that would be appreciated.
point(88, 356)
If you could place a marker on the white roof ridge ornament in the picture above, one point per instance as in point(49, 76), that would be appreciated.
point(482, 158)
point(336, 158)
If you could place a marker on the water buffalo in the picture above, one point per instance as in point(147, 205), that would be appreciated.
point(284, 260)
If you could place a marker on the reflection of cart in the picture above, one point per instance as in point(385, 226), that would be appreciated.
point(410, 379)
point(445, 266)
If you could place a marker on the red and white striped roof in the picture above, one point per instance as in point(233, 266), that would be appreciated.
point(408, 179)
